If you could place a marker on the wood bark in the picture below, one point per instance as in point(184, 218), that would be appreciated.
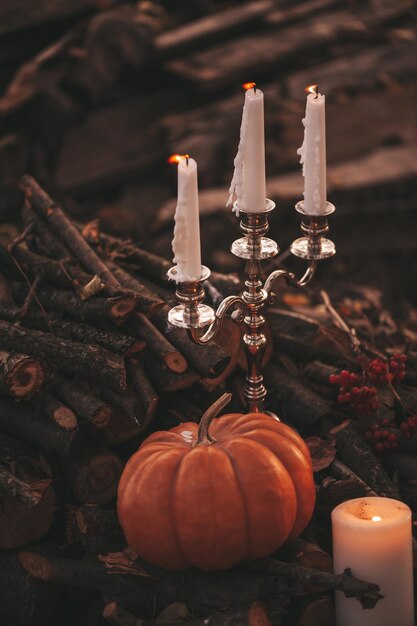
point(355, 452)
point(128, 404)
point(210, 360)
point(297, 401)
point(25, 599)
point(221, 590)
point(46, 242)
point(319, 373)
point(92, 520)
point(63, 227)
point(70, 357)
point(65, 273)
point(147, 301)
point(366, 592)
point(164, 379)
point(143, 387)
point(143, 328)
point(25, 422)
point(88, 408)
point(26, 494)
point(66, 328)
point(343, 472)
point(307, 554)
point(121, 428)
point(115, 310)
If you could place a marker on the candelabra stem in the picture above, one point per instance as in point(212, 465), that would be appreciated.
point(254, 339)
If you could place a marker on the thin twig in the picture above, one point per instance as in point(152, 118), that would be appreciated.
point(340, 322)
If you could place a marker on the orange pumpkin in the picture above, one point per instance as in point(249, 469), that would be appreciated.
point(190, 497)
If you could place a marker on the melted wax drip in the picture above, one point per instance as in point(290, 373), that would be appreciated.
point(235, 190)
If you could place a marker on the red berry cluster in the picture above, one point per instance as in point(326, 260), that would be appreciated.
point(391, 371)
point(409, 427)
point(380, 439)
point(362, 398)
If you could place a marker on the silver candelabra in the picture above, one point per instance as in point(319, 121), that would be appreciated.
point(202, 322)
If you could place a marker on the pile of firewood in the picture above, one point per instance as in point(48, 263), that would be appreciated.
point(89, 367)
point(86, 351)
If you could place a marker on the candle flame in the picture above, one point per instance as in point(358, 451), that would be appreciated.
point(313, 89)
point(376, 518)
point(176, 158)
point(247, 86)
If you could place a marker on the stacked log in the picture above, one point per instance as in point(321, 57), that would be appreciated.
point(106, 358)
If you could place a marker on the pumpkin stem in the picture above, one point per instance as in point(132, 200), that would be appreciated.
point(204, 436)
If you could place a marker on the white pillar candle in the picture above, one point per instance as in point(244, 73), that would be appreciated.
point(248, 182)
point(186, 242)
point(372, 537)
point(313, 154)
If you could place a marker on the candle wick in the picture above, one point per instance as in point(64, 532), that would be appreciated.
point(316, 89)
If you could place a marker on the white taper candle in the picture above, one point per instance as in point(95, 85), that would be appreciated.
point(248, 182)
point(186, 242)
point(372, 537)
point(313, 154)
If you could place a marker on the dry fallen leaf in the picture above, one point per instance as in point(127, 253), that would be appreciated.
point(323, 452)
point(174, 612)
point(296, 299)
point(257, 615)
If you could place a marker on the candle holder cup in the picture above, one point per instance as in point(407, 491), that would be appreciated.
point(314, 246)
point(203, 323)
point(191, 312)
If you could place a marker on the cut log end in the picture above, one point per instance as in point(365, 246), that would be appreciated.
point(65, 418)
point(110, 610)
point(94, 480)
point(122, 308)
point(26, 377)
point(58, 412)
point(101, 417)
point(30, 523)
point(176, 362)
point(36, 565)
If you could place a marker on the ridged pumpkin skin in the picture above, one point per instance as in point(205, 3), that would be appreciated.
point(213, 504)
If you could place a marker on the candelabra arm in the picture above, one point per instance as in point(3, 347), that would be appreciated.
point(201, 336)
point(308, 275)
point(290, 278)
